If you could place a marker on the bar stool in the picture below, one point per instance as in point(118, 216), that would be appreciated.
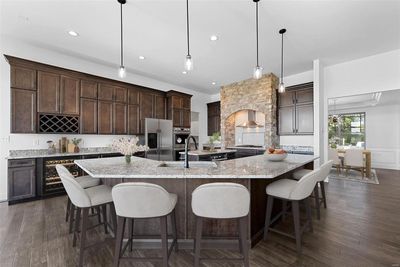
point(85, 181)
point(325, 170)
point(83, 200)
point(143, 201)
point(293, 191)
point(222, 201)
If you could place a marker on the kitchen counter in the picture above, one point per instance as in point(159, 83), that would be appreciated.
point(44, 153)
point(254, 172)
point(255, 167)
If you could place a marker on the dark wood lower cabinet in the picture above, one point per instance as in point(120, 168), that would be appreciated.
point(23, 111)
point(88, 118)
point(21, 179)
point(105, 117)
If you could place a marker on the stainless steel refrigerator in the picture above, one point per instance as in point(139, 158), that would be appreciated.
point(158, 137)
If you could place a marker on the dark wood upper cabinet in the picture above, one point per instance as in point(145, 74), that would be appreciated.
point(214, 117)
point(120, 118)
point(186, 118)
point(159, 107)
point(89, 89)
point(295, 112)
point(23, 111)
point(120, 94)
point(133, 119)
point(287, 120)
point(105, 117)
point(48, 92)
point(95, 105)
point(305, 96)
point(105, 92)
point(88, 116)
point(69, 95)
point(179, 108)
point(23, 78)
point(286, 99)
point(304, 119)
point(133, 96)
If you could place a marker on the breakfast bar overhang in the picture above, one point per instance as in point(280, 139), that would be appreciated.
point(255, 173)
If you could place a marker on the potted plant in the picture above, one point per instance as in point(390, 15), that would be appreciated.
point(76, 142)
point(215, 137)
point(128, 146)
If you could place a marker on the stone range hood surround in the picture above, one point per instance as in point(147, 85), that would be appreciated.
point(251, 94)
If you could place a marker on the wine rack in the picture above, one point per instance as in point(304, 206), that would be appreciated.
point(51, 181)
point(50, 123)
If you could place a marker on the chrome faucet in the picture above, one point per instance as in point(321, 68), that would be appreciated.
point(187, 141)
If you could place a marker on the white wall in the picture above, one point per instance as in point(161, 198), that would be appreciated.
point(21, 141)
point(382, 131)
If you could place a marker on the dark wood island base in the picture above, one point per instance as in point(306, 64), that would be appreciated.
point(212, 229)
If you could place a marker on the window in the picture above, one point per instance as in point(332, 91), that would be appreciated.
point(347, 130)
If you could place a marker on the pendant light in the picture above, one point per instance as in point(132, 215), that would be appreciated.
point(121, 70)
point(281, 88)
point(188, 59)
point(258, 69)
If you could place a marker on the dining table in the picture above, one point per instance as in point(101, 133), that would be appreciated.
point(367, 159)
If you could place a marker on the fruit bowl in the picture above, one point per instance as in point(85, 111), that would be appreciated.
point(276, 157)
point(276, 154)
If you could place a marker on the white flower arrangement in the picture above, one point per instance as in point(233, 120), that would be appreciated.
point(128, 146)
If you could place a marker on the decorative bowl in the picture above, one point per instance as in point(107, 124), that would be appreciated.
point(276, 157)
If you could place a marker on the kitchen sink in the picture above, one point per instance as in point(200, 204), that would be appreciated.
point(192, 164)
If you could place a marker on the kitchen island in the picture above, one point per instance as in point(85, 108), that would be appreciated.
point(208, 155)
point(254, 172)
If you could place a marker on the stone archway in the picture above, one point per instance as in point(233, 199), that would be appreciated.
point(251, 94)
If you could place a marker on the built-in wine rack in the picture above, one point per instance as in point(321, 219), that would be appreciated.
point(51, 181)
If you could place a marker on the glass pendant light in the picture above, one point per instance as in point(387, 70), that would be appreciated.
point(121, 70)
point(281, 88)
point(257, 73)
point(188, 59)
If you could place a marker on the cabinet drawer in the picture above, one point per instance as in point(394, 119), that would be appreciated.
point(21, 163)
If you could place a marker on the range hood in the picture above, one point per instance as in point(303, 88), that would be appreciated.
point(251, 120)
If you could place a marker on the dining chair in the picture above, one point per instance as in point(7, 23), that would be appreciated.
point(354, 159)
point(334, 156)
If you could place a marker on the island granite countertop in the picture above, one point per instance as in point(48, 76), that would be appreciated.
point(255, 167)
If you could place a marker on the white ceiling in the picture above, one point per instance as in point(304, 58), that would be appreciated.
point(385, 98)
point(334, 31)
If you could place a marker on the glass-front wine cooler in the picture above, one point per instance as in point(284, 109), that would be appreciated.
point(51, 183)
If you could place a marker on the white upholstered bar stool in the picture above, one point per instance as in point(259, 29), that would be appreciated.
point(143, 201)
point(222, 201)
point(83, 200)
point(293, 191)
point(320, 185)
point(86, 182)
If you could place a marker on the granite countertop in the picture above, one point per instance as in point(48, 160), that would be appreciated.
point(207, 152)
point(255, 167)
point(44, 153)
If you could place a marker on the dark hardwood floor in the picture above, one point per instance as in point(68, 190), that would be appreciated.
point(361, 227)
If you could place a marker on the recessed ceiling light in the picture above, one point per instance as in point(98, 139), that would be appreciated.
point(141, 57)
point(184, 72)
point(213, 83)
point(73, 33)
point(213, 37)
